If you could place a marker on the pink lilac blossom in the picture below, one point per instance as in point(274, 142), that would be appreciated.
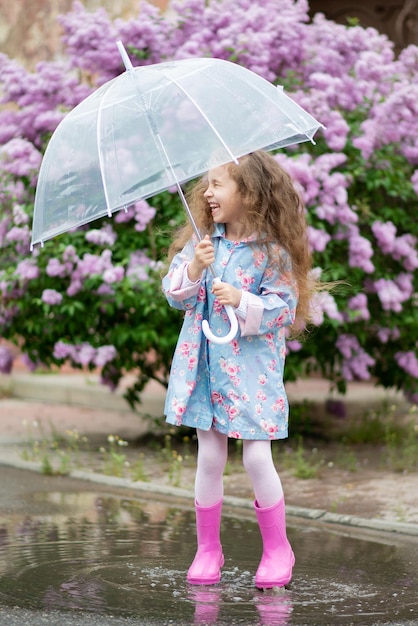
point(104, 354)
point(385, 233)
point(20, 217)
point(105, 290)
point(37, 95)
point(356, 362)
point(113, 274)
point(414, 181)
point(27, 362)
point(385, 334)
point(51, 296)
point(324, 303)
point(104, 236)
point(318, 239)
point(6, 360)
point(408, 361)
point(360, 251)
point(56, 268)
point(359, 306)
point(402, 248)
point(124, 215)
point(27, 269)
point(137, 266)
point(84, 354)
point(392, 293)
point(63, 351)
point(144, 213)
point(20, 237)
point(259, 36)
point(20, 157)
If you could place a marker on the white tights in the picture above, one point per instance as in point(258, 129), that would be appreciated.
point(257, 460)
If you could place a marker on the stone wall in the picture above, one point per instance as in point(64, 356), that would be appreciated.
point(29, 31)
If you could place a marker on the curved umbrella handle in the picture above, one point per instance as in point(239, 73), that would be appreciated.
point(233, 330)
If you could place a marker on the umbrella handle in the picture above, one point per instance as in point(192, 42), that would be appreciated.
point(233, 330)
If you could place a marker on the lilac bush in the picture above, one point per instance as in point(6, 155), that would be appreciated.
point(92, 297)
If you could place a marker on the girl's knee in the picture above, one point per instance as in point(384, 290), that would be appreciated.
point(256, 455)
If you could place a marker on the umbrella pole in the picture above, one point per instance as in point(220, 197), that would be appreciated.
point(228, 308)
point(192, 221)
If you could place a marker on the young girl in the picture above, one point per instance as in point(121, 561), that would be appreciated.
point(256, 240)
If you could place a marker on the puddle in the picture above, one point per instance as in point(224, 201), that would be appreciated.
point(127, 558)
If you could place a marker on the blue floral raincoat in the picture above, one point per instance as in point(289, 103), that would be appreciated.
point(236, 388)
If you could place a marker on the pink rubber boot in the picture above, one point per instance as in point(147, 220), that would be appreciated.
point(275, 569)
point(206, 566)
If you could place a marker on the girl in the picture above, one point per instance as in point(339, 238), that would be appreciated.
point(256, 239)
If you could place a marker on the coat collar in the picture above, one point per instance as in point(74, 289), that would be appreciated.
point(219, 232)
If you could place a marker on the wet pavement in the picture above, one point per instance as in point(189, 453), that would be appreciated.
point(75, 553)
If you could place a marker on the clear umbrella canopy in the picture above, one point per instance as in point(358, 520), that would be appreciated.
point(154, 127)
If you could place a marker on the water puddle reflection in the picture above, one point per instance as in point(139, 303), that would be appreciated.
point(128, 558)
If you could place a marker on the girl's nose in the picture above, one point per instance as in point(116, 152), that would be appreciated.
point(207, 192)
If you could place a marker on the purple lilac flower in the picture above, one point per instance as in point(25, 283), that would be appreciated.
point(105, 290)
point(56, 268)
point(6, 360)
point(293, 345)
point(27, 269)
point(358, 304)
point(63, 351)
point(144, 213)
point(386, 334)
point(84, 354)
point(405, 250)
point(392, 293)
point(137, 265)
point(19, 234)
point(124, 215)
point(27, 361)
point(323, 302)
point(356, 362)
point(318, 239)
point(113, 274)
point(360, 251)
point(75, 287)
point(19, 157)
point(385, 233)
point(104, 355)
point(20, 216)
point(52, 297)
point(414, 181)
point(408, 361)
point(105, 236)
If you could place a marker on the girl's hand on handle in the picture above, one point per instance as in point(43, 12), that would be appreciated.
point(204, 255)
point(226, 294)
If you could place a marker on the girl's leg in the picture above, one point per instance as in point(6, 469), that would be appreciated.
point(212, 454)
point(211, 458)
point(275, 569)
point(258, 462)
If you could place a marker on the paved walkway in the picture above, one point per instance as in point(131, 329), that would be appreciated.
point(66, 402)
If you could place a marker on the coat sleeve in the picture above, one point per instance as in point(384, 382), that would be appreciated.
point(180, 292)
point(274, 306)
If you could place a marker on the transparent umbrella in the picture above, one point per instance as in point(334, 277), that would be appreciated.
point(155, 127)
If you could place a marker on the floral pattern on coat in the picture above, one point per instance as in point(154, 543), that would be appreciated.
point(235, 388)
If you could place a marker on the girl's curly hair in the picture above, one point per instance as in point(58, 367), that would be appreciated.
point(272, 210)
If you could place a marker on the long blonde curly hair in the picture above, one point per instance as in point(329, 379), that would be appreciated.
point(273, 211)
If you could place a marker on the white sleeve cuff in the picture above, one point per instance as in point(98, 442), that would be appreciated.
point(186, 282)
point(242, 309)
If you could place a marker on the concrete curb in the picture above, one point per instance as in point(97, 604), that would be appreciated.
point(315, 515)
point(79, 390)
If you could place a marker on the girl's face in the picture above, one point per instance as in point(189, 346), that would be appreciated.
point(224, 200)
